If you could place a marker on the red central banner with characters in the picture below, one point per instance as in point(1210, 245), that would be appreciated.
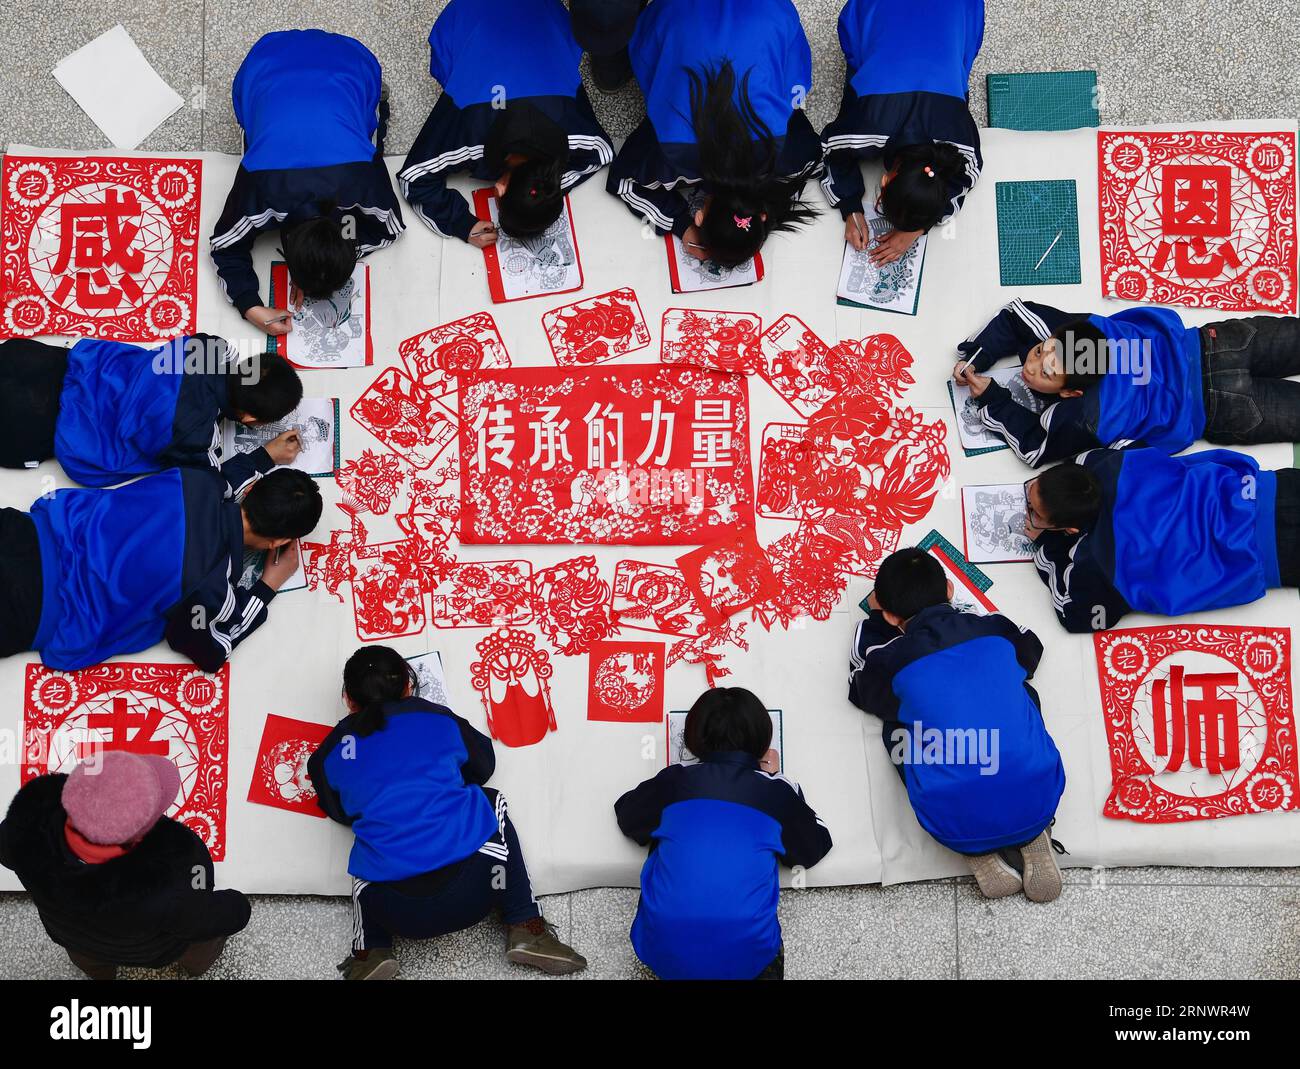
point(635, 455)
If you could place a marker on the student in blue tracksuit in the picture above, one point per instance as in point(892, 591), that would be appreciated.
point(512, 112)
point(1137, 375)
point(110, 411)
point(962, 724)
point(1136, 530)
point(725, 148)
point(314, 112)
point(718, 832)
point(90, 574)
point(434, 849)
point(905, 103)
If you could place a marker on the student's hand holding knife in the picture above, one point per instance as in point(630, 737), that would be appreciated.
point(856, 232)
point(967, 376)
point(284, 448)
point(280, 565)
point(273, 321)
point(483, 234)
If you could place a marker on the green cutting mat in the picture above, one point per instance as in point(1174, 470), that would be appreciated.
point(978, 578)
point(1030, 215)
point(1043, 100)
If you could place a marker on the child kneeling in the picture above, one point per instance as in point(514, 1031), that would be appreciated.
point(435, 851)
point(924, 667)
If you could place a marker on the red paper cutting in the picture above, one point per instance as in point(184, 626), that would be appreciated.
point(484, 594)
point(100, 246)
point(1204, 219)
point(722, 341)
point(596, 329)
point(389, 582)
point(329, 564)
point(703, 649)
point(641, 454)
point(625, 682)
point(280, 773)
point(656, 597)
point(571, 605)
point(811, 571)
point(405, 417)
point(170, 710)
point(511, 677)
point(738, 571)
point(437, 357)
point(370, 483)
point(1199, 721)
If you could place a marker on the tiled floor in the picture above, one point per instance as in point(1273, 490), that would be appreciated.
point(1159, 61)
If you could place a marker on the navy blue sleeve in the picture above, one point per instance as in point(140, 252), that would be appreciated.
point(1082, 595)
point(630, 177)
point(871, 675)
point(1013, 331)
point(211, 621)
point(439, 150)
point(231, 247)
point(326, 795)
point(842, 182)
point(641, 810)
point(804, 838)
point(243, 469)
point(1029, 649)
point(1057, 433)
point(482, 759)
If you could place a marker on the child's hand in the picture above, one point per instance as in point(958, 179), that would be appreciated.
point(856, 232)
point(275, 321)
point(284, 448)
point(482, 235)
point(965, 374)
point(295, 296)
point(893, 245)
point(771, 762)
point(280, 565)
point(693, 243)
point(872, 603)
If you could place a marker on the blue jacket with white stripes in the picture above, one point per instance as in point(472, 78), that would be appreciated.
point(768, 50)
point(906, 84)
point(126, 410)
point(158, 558)
point(411, 791)
point(980, 768)
point(309, 105)
point(502, 94)
point(717, 831)
point(1152, 393)
point(1174, 535)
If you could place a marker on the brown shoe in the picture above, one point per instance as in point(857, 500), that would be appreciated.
point(538, 945)
point(1042, 874)
point(996, 878)
point(376, 965)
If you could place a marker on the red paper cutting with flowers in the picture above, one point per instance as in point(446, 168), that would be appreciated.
point(1204, 219)
point(280, 773)
point(1199, 721)
point(168, 710)
point(101, 246)
point(623, 455)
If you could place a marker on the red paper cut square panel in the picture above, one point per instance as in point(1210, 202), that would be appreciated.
point(280, 774)
point(100, 246)
point(1199, 721)
point(723, 341)
point(1203, 219)
point(738, 570)
point(169, 710)
point(642, 454)
point(405, 417)
point(626, 682)
point(511, 676)
point(571, 605)
point(388, 587)
point(438, 356)
point(656, 597)
point(596, 329)
point(484, 594)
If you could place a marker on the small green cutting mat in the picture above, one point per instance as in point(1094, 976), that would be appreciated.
point(1030, 216)
point(1043, 100)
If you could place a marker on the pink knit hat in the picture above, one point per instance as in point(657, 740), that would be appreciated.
point(118, 796)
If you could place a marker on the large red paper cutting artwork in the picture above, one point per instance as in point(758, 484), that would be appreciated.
point(640, 454)
point(571, 603)
point(105, 247)
point(1199, 721)
point(511, 677)
point(738, 575)
point(169, 710)
point(1204, 219)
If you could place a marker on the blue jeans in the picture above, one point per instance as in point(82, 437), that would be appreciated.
point(1244, 369)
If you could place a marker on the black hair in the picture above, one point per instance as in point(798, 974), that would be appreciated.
point(918, 196)
point(375, 675)
point(264, 386)
point(738, 169)
point(1071, 496)
point(283, 504)
point(533, 198)
point(910, 580)
point(728, 719)
point(1085, 354)
point(320, 259)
